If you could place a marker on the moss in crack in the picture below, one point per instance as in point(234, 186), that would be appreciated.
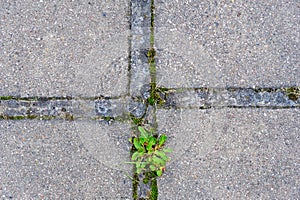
point(31, 116)
point(152, 39)
point(108, 118)
point(150, 177)
point(4, 117)
point(202, 89)
point(165, 90)
point(135, 180)
point(137, 121)
point(151, 60)
point(292, 97)
point(32, 98)
point(153, 185)
point(293, 93)
point(157, 95)
point(147, 177)
point(261, 89)
point(145, 180)
point(135, 184)
point(152, 23)
point(151, 55)
point(6, 97)
point(69, 117)
point(154, 190)
point(122, 119)
point(152, 13)
point(45, 117)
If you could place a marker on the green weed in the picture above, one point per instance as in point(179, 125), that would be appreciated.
point(150, 154)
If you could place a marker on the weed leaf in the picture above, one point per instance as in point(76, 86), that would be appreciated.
point(135, 155)
point(137, 145)
point(150, 153)
point(159, 172)
point(162, 139)
point(143, 165)
point(151, 142)
point(151, 101)
point(162, 155)
point(142, 141)
point(143, 132)
point(138, 171)
point(138, 165)
point(158, 161)
point(167, 150)
point(152, 168)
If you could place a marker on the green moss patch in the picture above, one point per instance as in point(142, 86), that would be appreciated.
point(293, 93)
point(6, 97)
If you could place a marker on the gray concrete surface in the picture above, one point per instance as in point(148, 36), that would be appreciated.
point(227, 43)
point(232, 154)
point(62, 160)
point(228, 153)
point(51, 48)
point(80, 49)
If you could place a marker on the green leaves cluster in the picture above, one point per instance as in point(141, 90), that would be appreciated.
point(150, 154)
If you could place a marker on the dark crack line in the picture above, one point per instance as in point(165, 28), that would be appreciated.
point(125, 107)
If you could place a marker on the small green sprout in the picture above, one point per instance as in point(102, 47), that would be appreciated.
point(150, 154)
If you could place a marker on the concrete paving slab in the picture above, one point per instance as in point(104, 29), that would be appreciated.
point(108, 143)
point(227, 43)
point(69, 61)
point(184, 129)
point(51, 160)
point(64, 48)
point(249, 154)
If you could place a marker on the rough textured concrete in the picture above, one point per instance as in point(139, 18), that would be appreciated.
point(108, 143)
point(247, 154)
point(227, 43)
point(80, 50)
point(56, 160)
point(51, 48)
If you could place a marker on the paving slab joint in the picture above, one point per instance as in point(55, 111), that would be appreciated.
point(206, 98)
point(142, 106)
